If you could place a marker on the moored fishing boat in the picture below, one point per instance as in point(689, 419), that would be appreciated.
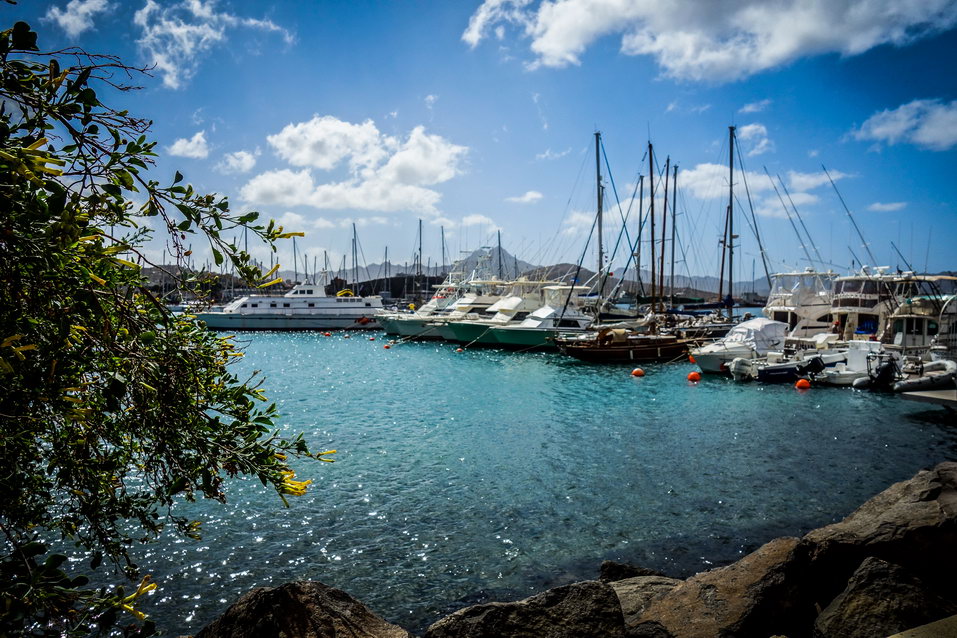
point(750, 339)
point(560, 314)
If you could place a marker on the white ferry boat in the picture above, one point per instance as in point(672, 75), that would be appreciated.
point(305, 307)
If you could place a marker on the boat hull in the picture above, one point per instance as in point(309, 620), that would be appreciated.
point(536, 338)
point(636, 350)
point(472, 333)
point(416, 328)
point(236, 321)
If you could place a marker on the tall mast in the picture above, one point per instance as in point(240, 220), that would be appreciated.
point(651, 213)
point(443, 246)
point(418, 268)
point(730, 244)
point(500, 255)
point(664, 230)
point(674, 226)
point(601, 249)
point(295, 261)
point(641, 208)
point(355, 257)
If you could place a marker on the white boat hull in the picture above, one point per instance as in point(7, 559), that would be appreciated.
point(236, 321)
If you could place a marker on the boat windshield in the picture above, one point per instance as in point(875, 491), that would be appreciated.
point(793, 282)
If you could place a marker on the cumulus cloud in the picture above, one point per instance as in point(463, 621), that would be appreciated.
point(238, 162)
point(888, 207)
point(479, 220)
point(755, 137)
point(710, 181)
point(711, 41)
point(755, 107)
point(528, 198)
point(385, 173)
point(176, 36)
point(930, 124)
point(578, 222)
point(194, 147)
point(809, 181)
point(78, 15)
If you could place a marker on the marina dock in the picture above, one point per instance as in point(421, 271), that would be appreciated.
point(946, 398)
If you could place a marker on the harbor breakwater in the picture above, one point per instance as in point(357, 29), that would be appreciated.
point(885, 568)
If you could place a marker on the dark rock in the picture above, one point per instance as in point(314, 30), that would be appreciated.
point(912, 524)
point(881, 599)
point(303, 609)
point(580, 610)
point(635, 594)
point(760, 595)
point(611, 571)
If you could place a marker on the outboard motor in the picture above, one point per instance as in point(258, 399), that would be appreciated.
point(882, 377)
point(814, 365)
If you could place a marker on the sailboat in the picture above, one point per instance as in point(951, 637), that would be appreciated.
point(616, 344)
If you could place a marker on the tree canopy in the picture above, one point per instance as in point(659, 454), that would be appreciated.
point(111, 407)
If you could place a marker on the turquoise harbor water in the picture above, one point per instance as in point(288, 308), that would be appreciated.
point(493, 475)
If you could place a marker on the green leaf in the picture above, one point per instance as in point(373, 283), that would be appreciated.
point(217, 257)
point(177, 178)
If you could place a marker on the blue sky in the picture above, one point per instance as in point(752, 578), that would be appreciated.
point(479, 116)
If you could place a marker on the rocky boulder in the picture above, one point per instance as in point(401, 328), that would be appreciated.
point(912, 524)
point(589, 609)
point(303, 609)
point(611, 571)
point(760, 595)
point(636, 594)
point(879, 600)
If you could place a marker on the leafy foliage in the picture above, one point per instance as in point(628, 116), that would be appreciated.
point(111, 407)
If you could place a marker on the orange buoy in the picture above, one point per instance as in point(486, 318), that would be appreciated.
point(326, 334)
point(459, 350)
point(386, 346)
point(637, 372)
point(694, 376)
point(802, 384)
point(371, 338)
point(691, 359)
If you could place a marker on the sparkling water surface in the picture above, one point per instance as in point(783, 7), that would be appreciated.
point(492, 475)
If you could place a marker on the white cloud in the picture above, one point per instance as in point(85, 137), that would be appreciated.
point(756, 138)
point(323, 142)
point(492, 12)
point(712, 41)
point(176, 36)
point(238, 162)
point(930, 124)
point(528, 198)
point(755, 107)
point(551, 155)
point(77, 17)
point(430, 101)
point(888, 207)
point(480, 220)
point(710, 181)
point(194, 147)
point(810, 181)
point(385, 173)
point(578, 222)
